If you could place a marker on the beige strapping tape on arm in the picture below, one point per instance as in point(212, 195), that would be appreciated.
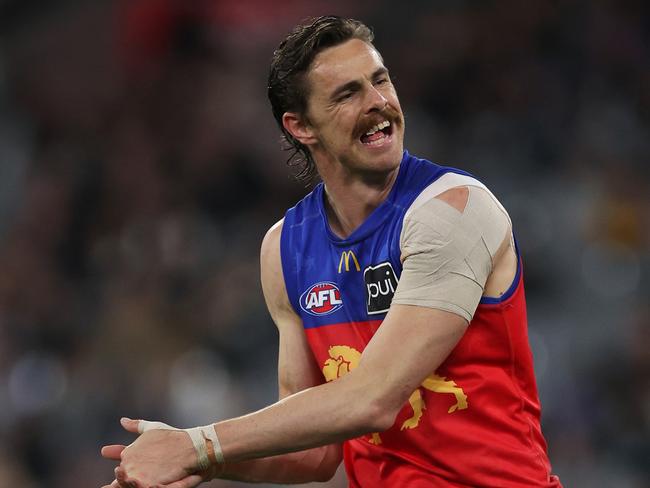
point(200, 437)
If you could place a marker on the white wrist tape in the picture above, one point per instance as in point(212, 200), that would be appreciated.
point(205, 441)
point(206, 444)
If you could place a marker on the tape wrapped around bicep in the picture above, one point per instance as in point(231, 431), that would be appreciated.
point(448, 255)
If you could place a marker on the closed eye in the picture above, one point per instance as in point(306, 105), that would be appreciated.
point(381, 77)
point(345, 96)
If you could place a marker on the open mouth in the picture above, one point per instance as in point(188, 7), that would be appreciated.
point(378, 134)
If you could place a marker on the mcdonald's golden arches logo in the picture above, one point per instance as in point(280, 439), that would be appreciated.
point(345, 258)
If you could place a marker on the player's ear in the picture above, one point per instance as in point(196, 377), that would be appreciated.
point(298, 126)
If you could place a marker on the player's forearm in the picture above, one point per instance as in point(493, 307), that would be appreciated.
point(327, 414)
point(318, 464)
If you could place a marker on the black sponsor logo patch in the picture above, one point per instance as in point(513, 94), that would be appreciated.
point(381, 283)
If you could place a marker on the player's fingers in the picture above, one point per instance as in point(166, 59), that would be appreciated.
point(114, 451)
point(120, 478)
point(189, 482)
point(140, 426)
point(124, 481)
point(131, 425)
point(114, 484)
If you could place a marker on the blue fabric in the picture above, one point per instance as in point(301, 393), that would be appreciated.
point(312, 253)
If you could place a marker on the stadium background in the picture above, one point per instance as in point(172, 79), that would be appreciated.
point(140, 167)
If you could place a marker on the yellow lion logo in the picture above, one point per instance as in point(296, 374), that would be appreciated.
point(343, 359)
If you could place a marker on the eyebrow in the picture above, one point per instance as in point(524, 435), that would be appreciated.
point(355, 84)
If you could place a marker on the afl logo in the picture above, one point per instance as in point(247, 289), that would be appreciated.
point(321, 299)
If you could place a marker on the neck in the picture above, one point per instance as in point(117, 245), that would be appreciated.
point(350, 199)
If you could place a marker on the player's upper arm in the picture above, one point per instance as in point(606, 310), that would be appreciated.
point(297, 368)
point(450, 246)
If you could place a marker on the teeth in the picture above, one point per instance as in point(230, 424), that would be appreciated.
point(372, 131)
point(380, 126)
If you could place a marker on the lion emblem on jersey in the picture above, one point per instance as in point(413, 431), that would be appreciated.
point(343, 359)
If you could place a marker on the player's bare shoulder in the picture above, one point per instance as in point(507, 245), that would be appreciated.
point(455, 197)
point(270, 251)
point(275, 292)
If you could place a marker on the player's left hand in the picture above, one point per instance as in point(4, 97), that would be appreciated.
point(160, 457)
point(122, 481)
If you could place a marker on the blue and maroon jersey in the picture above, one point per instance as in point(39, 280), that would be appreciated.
point(475, 421)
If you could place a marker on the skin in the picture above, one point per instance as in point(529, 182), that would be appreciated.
point(350, 92)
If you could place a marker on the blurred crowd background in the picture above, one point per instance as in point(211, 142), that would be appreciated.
point(140, 168)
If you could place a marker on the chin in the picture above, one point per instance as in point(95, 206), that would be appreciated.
point(389, 160)
point(380, 166)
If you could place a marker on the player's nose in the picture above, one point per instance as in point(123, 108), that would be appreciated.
point(375, 100)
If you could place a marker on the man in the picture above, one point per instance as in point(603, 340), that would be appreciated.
point(414, 304)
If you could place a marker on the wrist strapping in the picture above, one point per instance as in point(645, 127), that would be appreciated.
point(207, 446)
point(204, 438)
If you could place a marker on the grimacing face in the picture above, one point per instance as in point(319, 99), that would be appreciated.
point(353, 113)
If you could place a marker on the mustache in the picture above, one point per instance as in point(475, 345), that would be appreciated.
point(387, 113)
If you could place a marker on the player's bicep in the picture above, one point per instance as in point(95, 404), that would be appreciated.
point(297, 369)
point(449, 251)
point(410, 345)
